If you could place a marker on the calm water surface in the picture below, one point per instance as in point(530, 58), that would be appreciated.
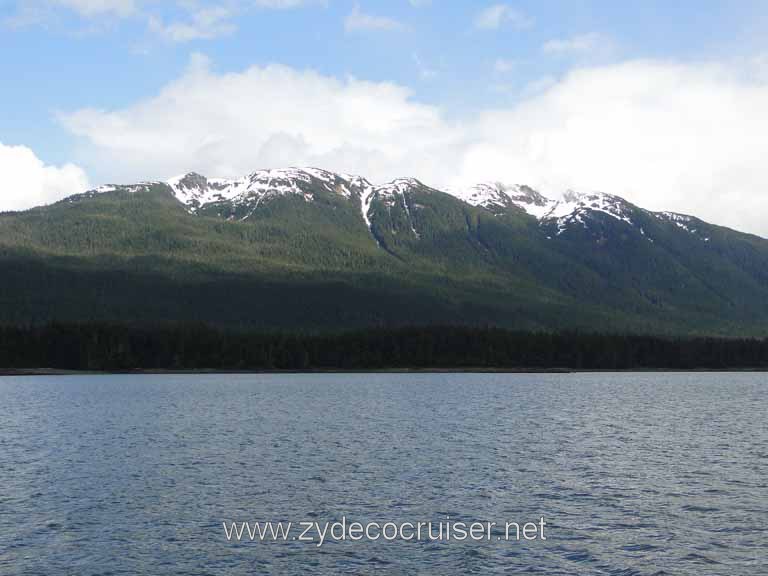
point(634, 473)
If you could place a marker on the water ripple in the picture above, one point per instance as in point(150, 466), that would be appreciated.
point(636, 474)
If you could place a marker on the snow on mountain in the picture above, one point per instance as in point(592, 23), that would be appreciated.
point(573, 209)
point(394, 192)
point(596, 201)
point(498, 197)
point(679, 220)
point(196, 191)
point(366, 200)
point(397, 186)
point(132, 189)
point(682, 221)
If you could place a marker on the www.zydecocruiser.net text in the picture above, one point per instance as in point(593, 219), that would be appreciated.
point(318, 533)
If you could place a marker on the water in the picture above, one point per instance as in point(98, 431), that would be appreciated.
point(633, 473)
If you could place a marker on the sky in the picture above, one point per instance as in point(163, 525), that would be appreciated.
point(663, 103)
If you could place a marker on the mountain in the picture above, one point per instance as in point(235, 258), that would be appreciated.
point(312, 249)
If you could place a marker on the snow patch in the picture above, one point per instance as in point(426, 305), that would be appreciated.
point(682, 221)
point(574, 208)
point(196, 191)
point(366, 199)
point(250, 192)
point(496, 195)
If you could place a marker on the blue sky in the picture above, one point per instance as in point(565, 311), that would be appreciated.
point(86, 82)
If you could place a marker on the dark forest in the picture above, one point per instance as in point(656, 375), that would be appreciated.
point(111, 347)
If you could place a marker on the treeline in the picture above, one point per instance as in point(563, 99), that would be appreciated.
point(183, 347)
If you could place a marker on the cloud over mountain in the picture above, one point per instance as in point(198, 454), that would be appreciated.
point(686, 137)
point(28, 181)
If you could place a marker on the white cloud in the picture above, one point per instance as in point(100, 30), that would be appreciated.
point(285, 4)
point(28, 182)
point(204, 24)
point(591, 43)
point(41, 12)
point(90, 8)
point(683, 137)
point(230, 124)
point(208, 21)
point(358, 20)
point(538, 85)
point(494, 16)
point(193, 19)
point(667, 136)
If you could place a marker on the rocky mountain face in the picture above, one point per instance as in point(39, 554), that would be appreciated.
point(308, 248)
point(241, 198)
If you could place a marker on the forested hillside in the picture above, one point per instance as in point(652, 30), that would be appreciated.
point(323, 252)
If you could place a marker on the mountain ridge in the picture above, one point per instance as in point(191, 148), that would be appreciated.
point(312, 249)
point(197, 191)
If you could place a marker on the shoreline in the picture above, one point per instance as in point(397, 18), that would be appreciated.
point(203, 372)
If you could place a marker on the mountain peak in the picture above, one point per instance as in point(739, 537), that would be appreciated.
point(239, 198)
point(196, 191)
point(189, 179)
point(399, 186)
point(497, 197)
point(576, 207)
point(191, 182)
